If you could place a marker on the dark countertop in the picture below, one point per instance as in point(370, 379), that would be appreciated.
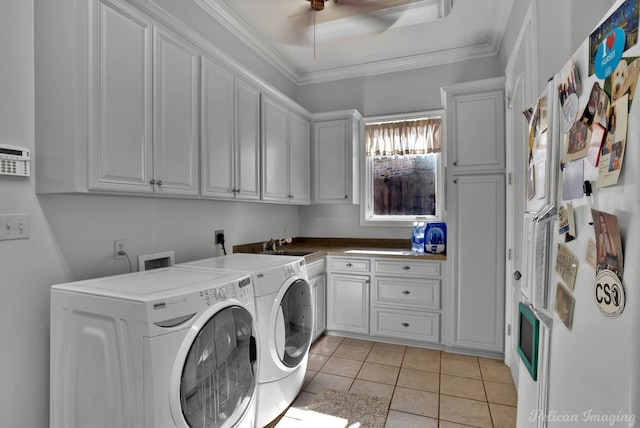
point(315, 248)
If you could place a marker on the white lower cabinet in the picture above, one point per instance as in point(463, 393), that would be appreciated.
point(348, 301)
point(318, 283)
point(388, 298)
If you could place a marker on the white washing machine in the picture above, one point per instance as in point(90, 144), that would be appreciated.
point(285, 324)
point(165, 348)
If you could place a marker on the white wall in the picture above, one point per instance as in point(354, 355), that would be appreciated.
point(72, 235)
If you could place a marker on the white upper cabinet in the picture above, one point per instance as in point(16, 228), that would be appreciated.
point(478, 144)
point(117, 108)
point(300, 160)
point(142, 142)
point(175, 124)
point(230, 129)
point(336, 158)
point(120, 147)
point(285, 154)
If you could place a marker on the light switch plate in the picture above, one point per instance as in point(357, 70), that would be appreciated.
point(15, 226)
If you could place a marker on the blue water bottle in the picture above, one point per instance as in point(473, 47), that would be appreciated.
point(420, 238)
point(414, 237)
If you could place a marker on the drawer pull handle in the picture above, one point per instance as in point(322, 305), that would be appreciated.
point(406, 267)
point(349, 265)
point(405, 292)
point(405, 324)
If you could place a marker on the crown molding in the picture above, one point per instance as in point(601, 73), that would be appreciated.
point(232, 22)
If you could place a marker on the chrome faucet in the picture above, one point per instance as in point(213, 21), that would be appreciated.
point(273, 243)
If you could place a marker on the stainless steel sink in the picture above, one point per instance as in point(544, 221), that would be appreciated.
point(288, 252)
point(381, 252)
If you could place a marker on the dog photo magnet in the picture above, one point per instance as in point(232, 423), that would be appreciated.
point(609, 53)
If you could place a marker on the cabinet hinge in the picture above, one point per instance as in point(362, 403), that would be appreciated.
point(509, 254)
point(508, 329)
point(509, 178)
point(507, 99)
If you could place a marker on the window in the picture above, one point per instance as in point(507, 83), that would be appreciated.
point(403, 170)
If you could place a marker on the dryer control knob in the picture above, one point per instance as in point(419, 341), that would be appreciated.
point(222, 294)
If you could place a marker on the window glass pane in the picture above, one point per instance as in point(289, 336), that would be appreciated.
point(404, 185)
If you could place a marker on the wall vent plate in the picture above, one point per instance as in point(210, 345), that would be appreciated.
point(156, 260)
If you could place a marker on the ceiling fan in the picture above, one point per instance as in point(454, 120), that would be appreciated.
point(323, 20)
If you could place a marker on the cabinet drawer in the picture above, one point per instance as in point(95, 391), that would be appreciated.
point(421, 326)
point(409, 292)
point(407, 268)
point(344, 264)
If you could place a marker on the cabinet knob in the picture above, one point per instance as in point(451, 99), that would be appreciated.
point(349, 265)
point(159, 182)
point(152, 182)
point(455, 163)
point(346, 196)
point(517, 275)
point(237, 190)
point(406, 267)
point(405, 324)
point(406, 292)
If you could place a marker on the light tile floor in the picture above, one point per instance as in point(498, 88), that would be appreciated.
point(428, 388)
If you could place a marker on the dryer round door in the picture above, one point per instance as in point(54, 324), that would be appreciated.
point(294, 324)
point(217, 380)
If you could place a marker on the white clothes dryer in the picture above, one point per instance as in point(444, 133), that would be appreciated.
point(285, 324)
point(165, 348)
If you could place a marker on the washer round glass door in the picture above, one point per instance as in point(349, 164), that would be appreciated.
point(218, 379)
point(294, 322)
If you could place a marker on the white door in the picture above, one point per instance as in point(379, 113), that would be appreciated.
point(120, 147)
point(300, 152)
point(217, 130)
point(175, 139)
point(247, 139)
point(520, 75)
point(275, 151)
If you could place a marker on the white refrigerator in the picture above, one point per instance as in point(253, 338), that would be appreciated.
point(579, 329)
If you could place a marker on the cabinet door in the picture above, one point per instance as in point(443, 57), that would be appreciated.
point(477, 233)
point(120, 124)
point(275, 151)
point(475, 126)
point(331, 158)
point(299, 145)
point(247, 139)
point(175, 139)
point(348, 303)
point(217, 130)
point(320, 299)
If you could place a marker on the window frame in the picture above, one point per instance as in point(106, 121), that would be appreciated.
point(367, 218)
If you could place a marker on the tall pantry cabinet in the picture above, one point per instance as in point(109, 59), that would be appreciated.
point(476, 214)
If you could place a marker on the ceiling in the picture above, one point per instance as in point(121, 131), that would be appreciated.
point(353, 38)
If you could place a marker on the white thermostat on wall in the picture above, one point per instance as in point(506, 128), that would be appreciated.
point(15, 160)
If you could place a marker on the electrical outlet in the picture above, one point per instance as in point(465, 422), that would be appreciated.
point(118, 245)
point(217, 234)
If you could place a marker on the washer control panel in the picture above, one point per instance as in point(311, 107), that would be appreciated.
point(240, 290)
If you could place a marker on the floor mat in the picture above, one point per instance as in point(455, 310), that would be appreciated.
point(348, 410)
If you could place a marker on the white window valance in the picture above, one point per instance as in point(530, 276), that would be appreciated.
point(417, 137)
